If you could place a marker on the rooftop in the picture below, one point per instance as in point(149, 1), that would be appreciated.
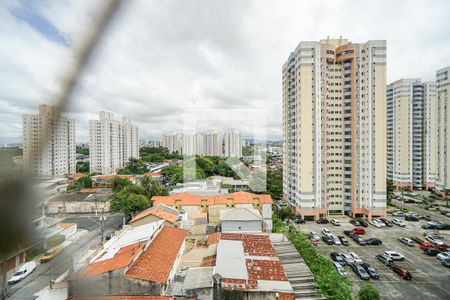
point(240, 214)
point(84, 196)
point(161, 211)
point(156, 263)
point(187, 199)
point(197, 278)
point(249, 262)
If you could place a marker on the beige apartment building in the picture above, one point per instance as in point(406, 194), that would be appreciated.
point(411, 134)
point(443, 128)
point(48, 143)
point(334, 128)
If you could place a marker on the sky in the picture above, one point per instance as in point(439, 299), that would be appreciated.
point(162, 62)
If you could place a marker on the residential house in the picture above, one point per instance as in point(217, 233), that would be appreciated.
point(241, 219)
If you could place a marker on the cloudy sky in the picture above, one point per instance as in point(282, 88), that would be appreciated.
point(161, 59)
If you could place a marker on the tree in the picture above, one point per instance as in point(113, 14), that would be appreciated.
point(368, 292)
point(134, 166)
point(275, 183)
point(389, 188)
point(81, 183)
point(119, 183)
point(172, 174)
point(127, 200)
point(153, 187)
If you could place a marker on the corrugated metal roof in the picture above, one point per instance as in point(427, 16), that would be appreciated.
point(240, 214)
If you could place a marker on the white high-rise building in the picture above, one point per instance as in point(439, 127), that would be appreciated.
point(111, 143)
point(49, 147)
point(232, 143)
point(173, 142)
point(443, 128)
point(411, 134)
point(334, 128)
point(212, 144)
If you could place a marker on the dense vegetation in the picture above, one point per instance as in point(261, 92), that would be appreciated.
point(368, 292)
point(81, 183)
point(83, 151)
point(329, 282)
point(275, 183)
point(134, 166)
point(157, 154)
point(130, 199)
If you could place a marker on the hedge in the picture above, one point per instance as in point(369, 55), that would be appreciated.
point(331, 285)
point(55, 240)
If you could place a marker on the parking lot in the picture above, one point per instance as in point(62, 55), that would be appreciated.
point(430, 280)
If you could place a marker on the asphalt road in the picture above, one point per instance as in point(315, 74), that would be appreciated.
point(40, 278)
point(430, 278)
point(435, 215)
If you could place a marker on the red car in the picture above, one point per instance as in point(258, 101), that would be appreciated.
point(441, 247)
point(358, 230)
point(426, 245)
point(400, 271)
point(314, 242)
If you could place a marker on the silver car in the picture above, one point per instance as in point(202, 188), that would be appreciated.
point(340, 269)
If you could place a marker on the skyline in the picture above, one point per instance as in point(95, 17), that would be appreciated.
point(154, 63)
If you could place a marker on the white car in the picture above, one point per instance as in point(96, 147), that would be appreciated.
point(398, 214)
point(335, 222)
point(356, 257)
point(25, 270)
point(382, 224)
point(398, 222)
point(406, 241)
point(326, 231)
point(434, 240)
point(394, 255)
point(375, 223)
point(348, 258)
point(433, 223)
point(336, 240)
point(340, 269)
point(443, 255)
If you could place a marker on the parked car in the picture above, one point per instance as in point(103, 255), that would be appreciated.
point(299, 220)
point(443, 248)
point(374, 241)
point(443, 255)
point(398, 214)
point(313, 236)
point(398, 222)
point(385, 260)
point(426, 245)
point(359, 240)
point(326, 231)
point(430, 251)
point(411, 218)
point(446, 263)
point(343, 240)
point(434, 234)
point(371, 271)
point(443, 227)
point(348, 232)
point(358, 230)
point(322, 221)
point(360, 271)
point(406, 241)
point(335, 222)
point(401, 271)
point(328, 240)
point(409, 201)
point(417, 239)
point(51, 253)
point(25, 270)
point(348, 258)
point(336, 240)
point(428, 226)
point(337, 258)
point(386, 222)
point(434, 240)
point(380, 222)
point(394, 255)
point(363, 223)
point(356, 257)
point(376, 223)
point(444, 212)
point(340, 269)
point(355, 223)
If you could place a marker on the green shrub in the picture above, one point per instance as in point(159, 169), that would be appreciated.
point(368, 292)
point(278, 225)
point(55, 240)
point(330, 283)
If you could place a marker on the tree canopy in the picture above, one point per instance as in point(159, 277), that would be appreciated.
point(119, 183)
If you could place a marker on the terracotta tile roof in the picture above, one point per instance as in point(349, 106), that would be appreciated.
point(76, 176)
point(200, 216)
point(187, 199)
point(103, 177)
point(254, 244)
point(88, 191)
point(209, 261)
point(122, 259)
point(169, 217)
point(151, 174)
point(155, 263)
point(67, 225)
point(213, 238)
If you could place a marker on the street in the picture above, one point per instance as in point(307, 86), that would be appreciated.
point(40, 278)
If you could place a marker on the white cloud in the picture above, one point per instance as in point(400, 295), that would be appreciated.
point(159, 58)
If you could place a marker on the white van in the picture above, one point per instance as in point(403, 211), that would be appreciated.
point(23, 272)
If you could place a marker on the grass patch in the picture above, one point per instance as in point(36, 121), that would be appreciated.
point(55, 240)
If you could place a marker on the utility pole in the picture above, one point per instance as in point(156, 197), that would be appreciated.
point(102, 219)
